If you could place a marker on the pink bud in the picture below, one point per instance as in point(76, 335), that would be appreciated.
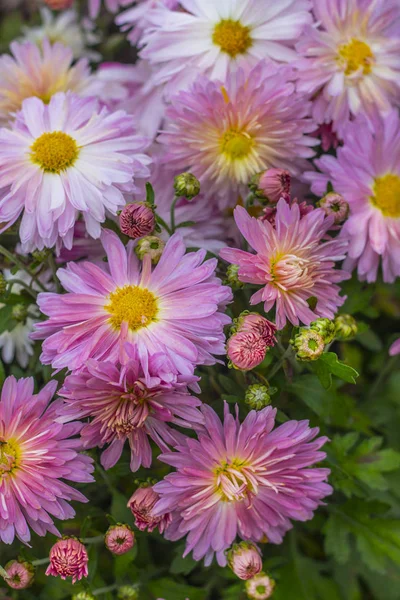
point(273, 184)
point(142, 503)
point(245, 560)
point(137, 220)
point(19, 574)
point(259, 325)
point(68, 558)
point(334, 204)
point(59, 4)
point(246, 350)
point(119, 538)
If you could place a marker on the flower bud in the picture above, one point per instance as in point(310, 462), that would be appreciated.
point(271, 184)
point(186, 185)
point(325, 327)
point(128, 592)
point(142, 503)
point(345, 327)
point(245, 560)
point(260, 587)
point(59, 4)
point(258, 396)
point(309, 344)
point(40, 256)
point(83, 596)
point(68, 558)
point(137, 220)
point(119, 538)
point(232, 277)
point(19, 312)
point(3, 284)
point(20, 574)
point(334, 204)
point(152, 245)
point(255, 323)
point(245, 350)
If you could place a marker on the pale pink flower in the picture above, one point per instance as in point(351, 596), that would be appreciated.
point(142, 503)
point(119, 539)
point(291, 263)
point(68, 558)
point(136, 19)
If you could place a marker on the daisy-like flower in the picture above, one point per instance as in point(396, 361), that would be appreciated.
point(68, 29)
point(136, 18)
point(291, 263)
point(217, 38)
point(366, 173)
point(36, 453)
point(226, 133)
point(350, 61)
point(62, 159)
point(241, 479)
point(174, 309)
point(123, 407)
point(43, 71)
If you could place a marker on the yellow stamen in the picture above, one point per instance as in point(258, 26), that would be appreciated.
point(355, 55)
point(55, 151)
point(232, 37)
point(133, 304)
point(387, 195)
point(9, 457)
point(236, 144)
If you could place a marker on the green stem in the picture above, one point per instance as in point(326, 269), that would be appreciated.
point(26, 287)
point(105, 590)
point(40, 561)
point(280, 362)
point(173, 205)
point(93, 540)
point(161, 222)
point(22, 266)
point(53, 267)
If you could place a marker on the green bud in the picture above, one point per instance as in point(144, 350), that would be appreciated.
point(186, 185)
point(152, 245)
point(260, 587)
point(325, 327)
point(83, 596)
point(258, 395)
point(3, 284)
point(128, 592)
point(19, 312)
point(232, 277)
point(345, 327)
point(308, 344)
point(40, 256)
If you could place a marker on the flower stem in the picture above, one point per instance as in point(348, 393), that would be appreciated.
point(105, 590)
point(173, 205)
point(22, 266)
point(53, 267)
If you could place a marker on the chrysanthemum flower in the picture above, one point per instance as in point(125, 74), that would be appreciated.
point(136, 19)
point(62, 159)
point(226, 133)
point(351, 60)
point(123, 407)
point(366, 173)
point(217, 38)
point(42, 72)
point(68, 558)
point(142, 503)
point(241, 479)
point(173, 309)
point(291, 263)
point(36, 452)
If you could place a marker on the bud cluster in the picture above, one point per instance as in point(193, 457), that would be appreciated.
point(251, 337)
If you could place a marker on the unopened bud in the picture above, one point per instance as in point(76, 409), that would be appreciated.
point(68, 558)
point(258, 395)
point(142, 503)
point(19, 312)
point(245, 350)
point(20, 574)
point(325, 327)
point(334, 204)
point(309, 344)
point(255, 323)
point(345, 327)
point(245, 560)
point(83, 596)
point(271, 184)
point(260, 587)
point(232, 277)
point(186, 185)
point(128, 592)
point(151, 245)
point(119, 538)
point(137, 220)
point(40, 256)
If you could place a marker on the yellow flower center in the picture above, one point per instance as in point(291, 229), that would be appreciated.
point(387, 195)
point(133, 304)
point(9, 458)
point(355, 55)
point(54, 151)
point(234, 480)
point(236, 144)
point(232, 37)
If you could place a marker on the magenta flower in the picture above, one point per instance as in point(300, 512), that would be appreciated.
point(366, 173)
point(291, 263)
point(119, 539)
point(142, 503)
point(36, 452)
point(174, 309)
point(124, 407)
point(68, 558)
point(241, 479)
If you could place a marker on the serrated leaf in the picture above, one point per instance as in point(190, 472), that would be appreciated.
point(329, 364)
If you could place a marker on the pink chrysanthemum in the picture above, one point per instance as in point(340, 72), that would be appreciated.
point(226, 133)
point(174, 309)
point(42, 72)
point(36, 453)
point(291, 263)
point(241, 479)
point(217, 38)
point(62, 159)
point(366, 173)
point(351, 59)
point(123, 407)
point(68, 558)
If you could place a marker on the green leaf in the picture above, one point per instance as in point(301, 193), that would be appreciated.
point(329, 364)
point(180, 565)
point(186, 224)
point(7, 323)
point(170, 590)
point(377, 538)
point(149, 193)
point(301, 579)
